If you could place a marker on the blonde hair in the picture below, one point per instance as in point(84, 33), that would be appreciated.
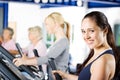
point(58, 18)
point(36, 30)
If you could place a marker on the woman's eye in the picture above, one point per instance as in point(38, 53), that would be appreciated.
point(83, 31)
point(91, 30)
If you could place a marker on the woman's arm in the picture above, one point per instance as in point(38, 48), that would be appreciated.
point(25, 61)
point(13, 52)
point(53, 52)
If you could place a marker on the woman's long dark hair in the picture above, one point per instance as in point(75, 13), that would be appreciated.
point(102, 22)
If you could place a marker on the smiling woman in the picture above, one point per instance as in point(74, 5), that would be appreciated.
point(92, 33)
point(96, 33)
point(102, 62)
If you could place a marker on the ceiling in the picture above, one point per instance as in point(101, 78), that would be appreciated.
point(61, 3)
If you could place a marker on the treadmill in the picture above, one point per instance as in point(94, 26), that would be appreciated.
point(8, 71)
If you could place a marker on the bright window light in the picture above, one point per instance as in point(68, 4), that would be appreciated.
point(52, 1)
point(44, 1)
point(36, 1)
point(79, 3)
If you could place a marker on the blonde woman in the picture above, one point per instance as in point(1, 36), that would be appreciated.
point(55, 24)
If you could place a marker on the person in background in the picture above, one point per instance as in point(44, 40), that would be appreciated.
point(102, 62)
point(8, 43)
point(36, 42)
point(59, 50)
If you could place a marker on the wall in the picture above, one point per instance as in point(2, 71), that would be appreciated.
point(25, 16)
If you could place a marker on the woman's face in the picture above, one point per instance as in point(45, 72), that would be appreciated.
point(32, 36)
point(6, 35)
point(50, 25)
point(92, 34)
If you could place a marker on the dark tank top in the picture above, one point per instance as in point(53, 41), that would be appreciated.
point(85, 73)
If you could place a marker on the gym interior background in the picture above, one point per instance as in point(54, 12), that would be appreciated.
point(22, 14)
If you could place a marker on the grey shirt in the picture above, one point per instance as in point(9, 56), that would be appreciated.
point(60, 52)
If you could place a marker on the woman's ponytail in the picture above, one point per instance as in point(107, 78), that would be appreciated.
point(67, 29)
